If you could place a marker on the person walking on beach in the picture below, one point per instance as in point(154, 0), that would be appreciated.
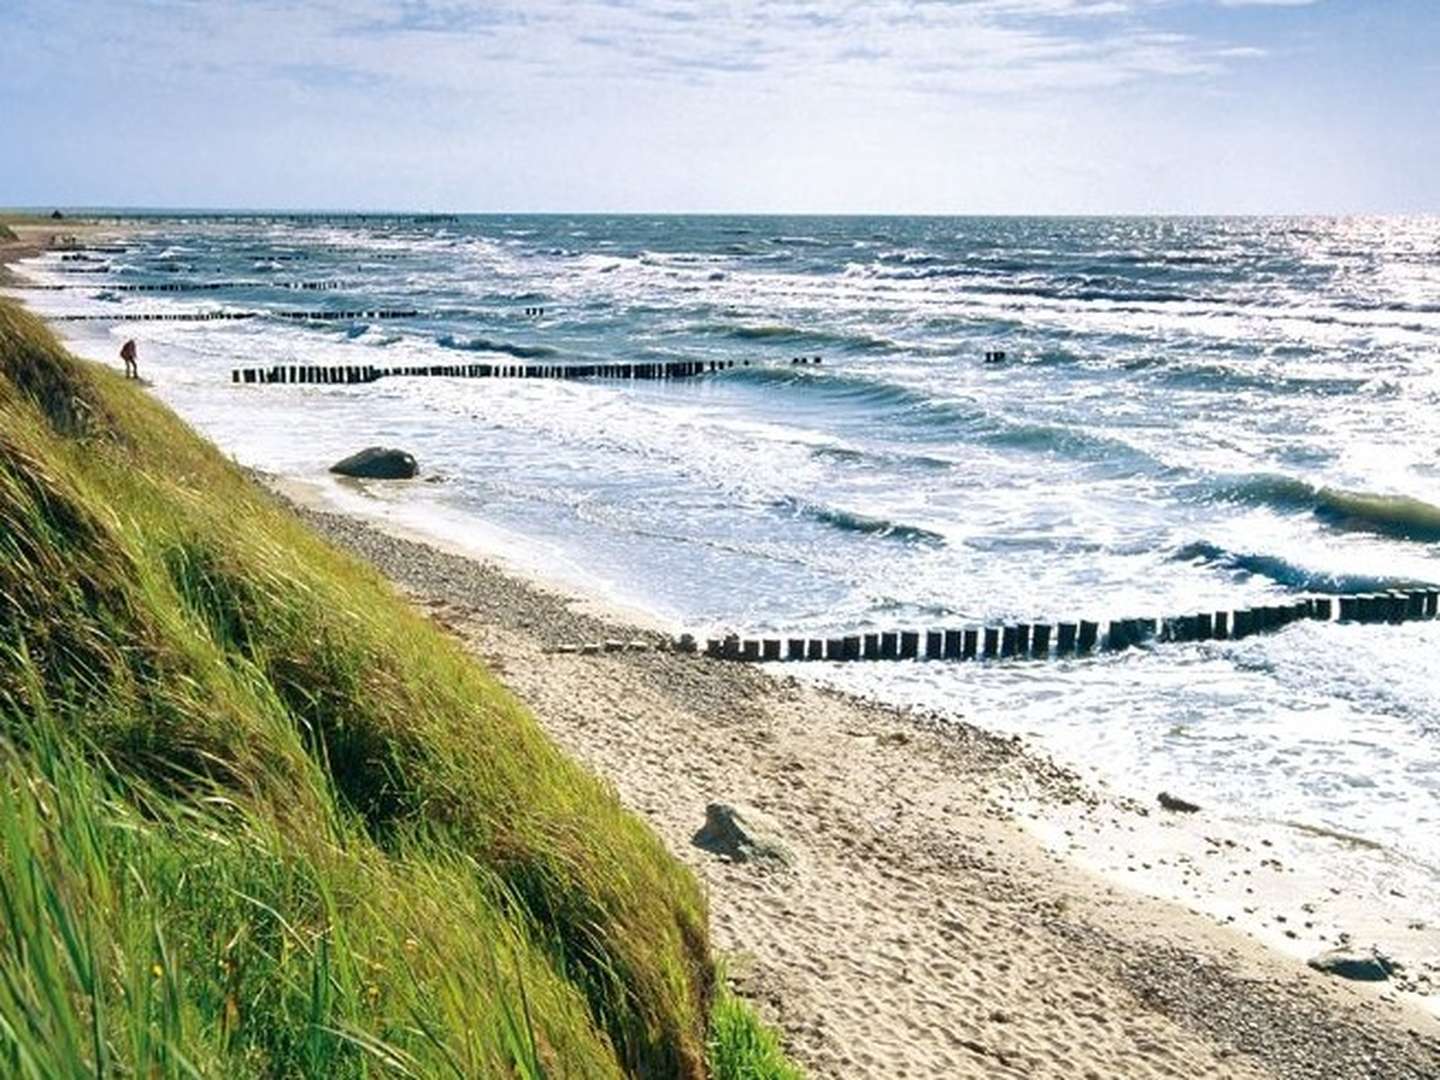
point(127, 353)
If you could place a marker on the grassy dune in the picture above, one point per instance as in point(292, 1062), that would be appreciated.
point(258, 817)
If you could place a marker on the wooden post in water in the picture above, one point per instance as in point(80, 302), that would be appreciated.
point(750, 651)
point(1119, 637)
point(952, 644)
point(909, 644)
point(1007, 642)
point(815, 649)
point(934, 644)
point(971, 644)
point(770, 650)
point(1065, 639)
point(1088, 636)
point(992, 643)
point(834, 648)
point(1221, 623)
point(889, 645)
point(852, 647)
point(872, 647)
point(1040, 641)
point(1432, 603)
point(795, 649)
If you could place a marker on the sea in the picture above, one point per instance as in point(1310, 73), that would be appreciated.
point(1192, 414)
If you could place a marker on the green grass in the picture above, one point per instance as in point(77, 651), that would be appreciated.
point(7, 234)
point(258, 817)
point(741, 1047)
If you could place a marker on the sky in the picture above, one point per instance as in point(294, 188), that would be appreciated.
point(782, 106)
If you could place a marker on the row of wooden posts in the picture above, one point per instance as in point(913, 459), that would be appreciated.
point(208, 316)
point(1043, 641)
point(195, 286)
point(349, 374)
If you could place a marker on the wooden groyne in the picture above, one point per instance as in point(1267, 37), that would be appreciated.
point(209, 316)
point(359, 374)
point(1061, 640)
point(352, 374)
point(189, 286)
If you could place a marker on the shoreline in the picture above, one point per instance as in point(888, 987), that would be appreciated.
point(910, 861)
point(1259, 878)
point(922, 929)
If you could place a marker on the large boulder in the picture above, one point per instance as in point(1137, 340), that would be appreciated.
point(743, 833)
point(1363, 965)
point(378, 463)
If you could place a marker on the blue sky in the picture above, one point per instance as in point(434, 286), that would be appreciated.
point(951, 106)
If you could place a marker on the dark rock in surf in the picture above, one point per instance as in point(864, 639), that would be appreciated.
point(378, 463)
point(1361, 966)
point(1176, 805)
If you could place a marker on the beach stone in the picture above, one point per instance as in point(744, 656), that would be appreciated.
point(1361, 965)
point(1176, 804)
point(743, 833)
point(377, 463)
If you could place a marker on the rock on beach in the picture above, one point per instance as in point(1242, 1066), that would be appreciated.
point(1361, 965)
point(744, 834)
point(377, 463)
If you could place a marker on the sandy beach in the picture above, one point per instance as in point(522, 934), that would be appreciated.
point(35, 235)
point(920, 930)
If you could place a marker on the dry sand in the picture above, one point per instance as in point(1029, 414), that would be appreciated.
point(35, 235)
point(921, 932)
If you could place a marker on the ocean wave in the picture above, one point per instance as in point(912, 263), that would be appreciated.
point(1283, 572)
point(850, 342)
point(799, 241)
point(508, 348)
point(852, 521)
point(854, 455)
point(909, 257)
point(1399, 516)
point(1232, 377)
point(836, 386)
point(971, 421)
